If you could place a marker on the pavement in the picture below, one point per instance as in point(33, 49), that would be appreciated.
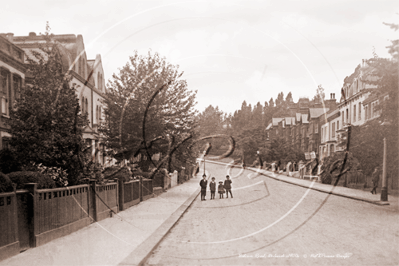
point(355, 194)
point(127, 238)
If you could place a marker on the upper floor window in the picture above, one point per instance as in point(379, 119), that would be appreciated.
point(97, 117)
point(333, 129)
point(87, 106)
point(316, 128)
point(347, 115)
point(354, 113)
point(337, 125)
point(343, 120)
point(360, 111)
point(372, 110)
point(4, 91)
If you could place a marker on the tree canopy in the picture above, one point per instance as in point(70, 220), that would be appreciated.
point(129, 93)
point(46, 125)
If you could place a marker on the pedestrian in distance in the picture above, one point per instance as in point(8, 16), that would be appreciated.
point(203, 184)
point(227, 186)
point(375, 179)
point(212, 187)
point(221, 189)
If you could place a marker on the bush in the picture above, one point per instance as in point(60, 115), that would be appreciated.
point(8, 161)
point(22, 177)
point(5, 183)
point(113, 172)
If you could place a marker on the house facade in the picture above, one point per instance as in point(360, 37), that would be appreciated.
point(12, 79)
point(87, 77)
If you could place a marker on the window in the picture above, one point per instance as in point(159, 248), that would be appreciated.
point(5, 143)
point(360, 111)
point(343, 121)
point(354, 113)
point(87, 106)
point(4, 92)
point(337, 125)
point(316, 128)
point(82, 106)
point(333, 130)
point(322, 136)
point(99, 81)
point(97, 116)
point(372, 110)
point(347, 115)
point(365, 112)
point(16, 85)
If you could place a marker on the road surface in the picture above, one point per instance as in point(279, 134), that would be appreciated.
point(269, 222)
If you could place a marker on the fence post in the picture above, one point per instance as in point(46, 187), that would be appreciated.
point(141, 188)
point(32, 213)
point(117, 196)
point(15, 211)
point(94, 199)
point(121, 193)
point(165, 182)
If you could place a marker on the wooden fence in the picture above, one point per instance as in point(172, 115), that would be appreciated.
point(33, 217)
point(59, 212)
point(9, 243)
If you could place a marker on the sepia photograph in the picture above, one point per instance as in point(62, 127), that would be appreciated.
point(199, 132)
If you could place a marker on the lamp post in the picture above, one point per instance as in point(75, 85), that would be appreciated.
point(384, 189)
point(208, 147)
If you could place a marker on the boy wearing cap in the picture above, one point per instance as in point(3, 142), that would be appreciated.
point(227, 186)
point(203, 184)
point(212, 186)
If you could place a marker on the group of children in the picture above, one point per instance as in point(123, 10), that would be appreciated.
point(222, 188)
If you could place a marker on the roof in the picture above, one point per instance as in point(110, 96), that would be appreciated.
point(276, 120)
point(304, 119)
point(298, 117)
point(269, 126)
point(316, 112)
point(289, 120)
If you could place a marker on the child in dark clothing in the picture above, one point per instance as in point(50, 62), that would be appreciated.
point(203, 184)
point(212, 186)
point(221, 189)
point(227, 186)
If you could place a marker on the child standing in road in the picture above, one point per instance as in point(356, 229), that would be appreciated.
point(203, 184)
point(221, 189)
point(227, 186)
point(212, 186)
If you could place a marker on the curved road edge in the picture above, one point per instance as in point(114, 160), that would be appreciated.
point(329, 189)
point(141, 254)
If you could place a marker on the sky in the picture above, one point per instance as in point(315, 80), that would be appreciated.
point(229, 51)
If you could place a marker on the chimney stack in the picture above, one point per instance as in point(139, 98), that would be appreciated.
point(32, 34)
point(10, 36)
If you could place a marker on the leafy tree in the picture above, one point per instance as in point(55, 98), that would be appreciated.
point(271, 102)
point(129, 93)
point(368, 139)
point(320, 95)
point(46, 126)
point(280, 99)
point(289, 98)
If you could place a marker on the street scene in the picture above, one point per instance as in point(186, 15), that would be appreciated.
point(269, 222)
point(199, 132)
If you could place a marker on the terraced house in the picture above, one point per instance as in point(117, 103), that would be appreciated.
point(87, 78)
point(12, 78)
